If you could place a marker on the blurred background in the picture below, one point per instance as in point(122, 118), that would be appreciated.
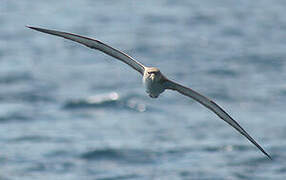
point(69, 112)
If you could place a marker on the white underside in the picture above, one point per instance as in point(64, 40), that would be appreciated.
point(154, 89)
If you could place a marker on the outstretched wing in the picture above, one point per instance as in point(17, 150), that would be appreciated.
point(213, 107)
point(96, 44)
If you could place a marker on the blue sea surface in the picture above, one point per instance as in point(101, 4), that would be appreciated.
point(68, 112)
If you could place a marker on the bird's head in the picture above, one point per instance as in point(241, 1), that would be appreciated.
point(153, 73)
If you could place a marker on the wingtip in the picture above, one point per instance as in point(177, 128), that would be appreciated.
point(269, 157)
point(266, 154)
point(31, 27)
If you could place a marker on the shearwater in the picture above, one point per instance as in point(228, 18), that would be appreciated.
point(154, 81)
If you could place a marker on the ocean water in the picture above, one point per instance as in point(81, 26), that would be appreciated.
point(68, 112)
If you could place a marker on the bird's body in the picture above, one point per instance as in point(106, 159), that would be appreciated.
point(154, 81)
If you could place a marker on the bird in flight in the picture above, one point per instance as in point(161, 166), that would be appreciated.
point(154, 81)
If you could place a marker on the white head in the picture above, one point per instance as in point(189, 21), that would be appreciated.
point(153, 80)
point(153, 73)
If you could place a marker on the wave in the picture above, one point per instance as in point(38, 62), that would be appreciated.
point(110, 100)
point(13, 78)
point(122, 155)
point(15, 117)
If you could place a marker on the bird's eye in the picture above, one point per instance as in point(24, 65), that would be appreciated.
point(153, 72)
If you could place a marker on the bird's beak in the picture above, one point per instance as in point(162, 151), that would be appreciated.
point(152, 76)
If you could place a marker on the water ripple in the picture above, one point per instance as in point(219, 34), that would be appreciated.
point(13, 78)
point(123, 155)
point(111, 100)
